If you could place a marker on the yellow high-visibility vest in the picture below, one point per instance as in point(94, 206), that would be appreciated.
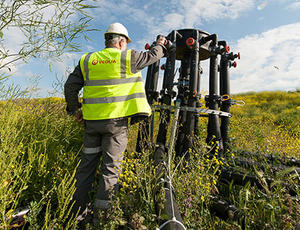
point(110, 89)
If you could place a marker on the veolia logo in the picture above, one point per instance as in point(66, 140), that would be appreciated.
point(95, 62)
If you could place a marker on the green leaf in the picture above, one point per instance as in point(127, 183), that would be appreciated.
point(1, 34)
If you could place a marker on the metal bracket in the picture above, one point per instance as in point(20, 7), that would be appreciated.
point(192, 109)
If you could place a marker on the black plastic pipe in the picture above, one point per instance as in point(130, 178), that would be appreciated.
point(167, 93)
point(225, 93)
point(183, 89)
point(152, 95)
point(189, 127)
point(213, 128)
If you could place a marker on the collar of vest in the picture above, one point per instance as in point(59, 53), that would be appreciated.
point(112, 48)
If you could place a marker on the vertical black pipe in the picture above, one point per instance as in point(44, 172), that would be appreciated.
point(213, 128)
point(151, 93)
point(155, 80)
point(192, 97)
point(196, 129)
point(225, 91)
point(167, 93)
point(183, 88)
point(149, 79)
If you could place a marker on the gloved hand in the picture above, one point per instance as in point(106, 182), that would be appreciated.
point(161, 40)
point(78, 116)
point(166, 44)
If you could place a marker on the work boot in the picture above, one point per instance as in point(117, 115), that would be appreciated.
point(99, 218)
point(84, 218)
point(99, 211)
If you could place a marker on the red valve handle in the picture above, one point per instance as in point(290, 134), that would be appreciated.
point(190, 41)
point(195, 93)
point(227, 49)
point(234, 64)
point(239, 55)
point(147, 46)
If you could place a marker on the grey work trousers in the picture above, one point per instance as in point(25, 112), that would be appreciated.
point(107, 138)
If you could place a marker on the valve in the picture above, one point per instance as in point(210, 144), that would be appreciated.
point(147, 46)
point(232, 56)
point(195, 93)
point(190, 41)
point(234, 64)
point(225, 97)
point(163, 67)
point(227, 49)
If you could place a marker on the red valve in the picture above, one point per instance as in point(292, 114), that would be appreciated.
point(147, 46)
point(227, 49)
point(195, 93)
point(190, 41)
point(234, 64)
point(239, 55)
point(163, 67)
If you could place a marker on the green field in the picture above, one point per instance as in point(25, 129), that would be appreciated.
point(41, 144)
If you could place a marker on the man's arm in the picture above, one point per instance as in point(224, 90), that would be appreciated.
point(140, 60)
point(72, 87)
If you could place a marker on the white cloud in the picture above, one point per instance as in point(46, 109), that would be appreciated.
point(294, 6)
point(119, 11)
point(269, 61)
point(262, 5)
point(12, 40)
point(207, 10)
point(160, 17)
point(65, 61)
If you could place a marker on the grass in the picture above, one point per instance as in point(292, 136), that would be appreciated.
point(38, 155)
point(40, 146)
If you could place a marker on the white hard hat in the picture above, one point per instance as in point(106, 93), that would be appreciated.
point(117, 28)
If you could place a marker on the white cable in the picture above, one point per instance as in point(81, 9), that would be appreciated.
point(169, 221)
point(178, 164)
point(297, 174)
point(171, 144)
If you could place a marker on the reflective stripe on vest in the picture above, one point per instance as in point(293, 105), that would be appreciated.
point(112, 81)
point(110, 89)
point(112, 99)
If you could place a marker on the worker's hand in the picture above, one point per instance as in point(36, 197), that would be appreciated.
point(78, 116)
point(161, 40)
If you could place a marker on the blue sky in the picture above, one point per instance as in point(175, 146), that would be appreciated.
point(266, 33)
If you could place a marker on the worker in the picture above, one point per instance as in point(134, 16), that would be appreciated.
point(113, 91)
